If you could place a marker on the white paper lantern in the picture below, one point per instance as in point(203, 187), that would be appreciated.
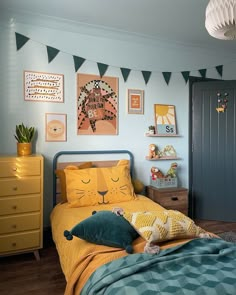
point(221, 19)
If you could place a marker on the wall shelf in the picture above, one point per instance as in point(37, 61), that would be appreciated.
point(162, 135)
point(162, 158)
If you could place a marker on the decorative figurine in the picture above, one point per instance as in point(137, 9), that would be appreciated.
point(172, 171)
point(153, 154)
point(156, 173)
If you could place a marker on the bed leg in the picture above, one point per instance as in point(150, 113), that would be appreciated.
point(36, 255)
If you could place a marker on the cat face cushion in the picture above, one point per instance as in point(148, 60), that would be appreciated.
point(97, 186)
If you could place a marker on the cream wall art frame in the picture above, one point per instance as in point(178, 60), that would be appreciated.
point(165, 119)
point(43, 87)
point(135, 101)
point(55, 127)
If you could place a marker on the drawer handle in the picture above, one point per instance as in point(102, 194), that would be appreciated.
point(13, 244)
point(174, 198)
point(14, 169)
point(14, 226)
point(14, 207)
point(15, 188)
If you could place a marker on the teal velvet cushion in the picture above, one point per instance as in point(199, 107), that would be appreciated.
point(105, 228)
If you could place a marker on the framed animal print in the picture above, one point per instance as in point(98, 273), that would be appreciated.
point(55, 127)
point(97, 105)
point(165, 120)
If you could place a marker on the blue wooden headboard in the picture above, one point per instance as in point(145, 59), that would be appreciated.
point(102, 152)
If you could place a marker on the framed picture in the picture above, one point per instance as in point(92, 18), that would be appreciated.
point(43, 87)
point(97, 105)
point(55, 127)
point(135, 101)
point(165, 120)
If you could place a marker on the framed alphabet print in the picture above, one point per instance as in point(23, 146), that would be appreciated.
point(165, 119)
point(45, 87)
point(55, 127)
point(135, 101)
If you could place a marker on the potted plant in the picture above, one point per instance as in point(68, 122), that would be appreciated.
point(151, 129)
point(24, 136)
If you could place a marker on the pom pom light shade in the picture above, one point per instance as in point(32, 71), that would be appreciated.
point(221, 19)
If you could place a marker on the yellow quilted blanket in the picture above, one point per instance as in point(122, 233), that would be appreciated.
point(78, 258)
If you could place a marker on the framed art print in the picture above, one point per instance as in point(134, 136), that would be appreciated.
point(55, 127)
point(135, 101)
point(45, 87)
point(97, 105)
point(165, 120)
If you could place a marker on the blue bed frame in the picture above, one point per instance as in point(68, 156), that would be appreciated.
point(103, 152)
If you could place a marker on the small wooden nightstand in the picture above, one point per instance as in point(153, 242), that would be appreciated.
point(175, 198)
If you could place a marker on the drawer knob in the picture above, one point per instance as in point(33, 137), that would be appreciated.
point(174, 198)
point(14, 207)
point(14, 169)
point(13, 244)
point(14, 226)
point(15, 188)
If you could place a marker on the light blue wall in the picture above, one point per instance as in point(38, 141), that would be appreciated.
point(116, 51)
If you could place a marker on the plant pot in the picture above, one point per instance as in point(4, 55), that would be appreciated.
point(24, 148)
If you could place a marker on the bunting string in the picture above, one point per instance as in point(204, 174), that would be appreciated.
point(52, 52)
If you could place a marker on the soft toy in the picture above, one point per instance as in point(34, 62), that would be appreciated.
point(156, 173)
point(172, 171)
point(152, 151)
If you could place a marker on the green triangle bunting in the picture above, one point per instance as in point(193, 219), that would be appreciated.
point(146, 76)
point(20, 40)
point(185, 75)
point(219, 70)
point(78, 61)
point(102, 68)
point(52, 53)
point(125, 73)
point(166, 76)
point(203, 73)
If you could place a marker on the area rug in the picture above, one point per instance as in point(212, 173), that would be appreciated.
point(228, 236)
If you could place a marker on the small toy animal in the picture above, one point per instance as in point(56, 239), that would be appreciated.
point(156, 173)
point(172, 171)
point(152, 151)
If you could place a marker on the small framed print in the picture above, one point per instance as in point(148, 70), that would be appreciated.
point(135, 101)
point(55, 127)
point(165, 120)
point(47, 87)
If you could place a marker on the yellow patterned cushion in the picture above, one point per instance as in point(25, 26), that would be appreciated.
point(159, 226)
point(95, 186)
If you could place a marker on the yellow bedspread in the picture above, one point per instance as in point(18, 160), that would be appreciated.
point(78, 258)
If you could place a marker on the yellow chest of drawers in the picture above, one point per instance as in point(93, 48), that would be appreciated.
point(21, 204)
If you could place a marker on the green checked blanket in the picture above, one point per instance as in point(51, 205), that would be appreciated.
point(199, 267)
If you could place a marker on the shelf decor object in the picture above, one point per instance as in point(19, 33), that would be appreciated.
point(165, 120)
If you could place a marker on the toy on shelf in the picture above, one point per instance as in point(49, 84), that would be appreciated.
point(156, 173)
point(172, 172)
point(153, 152)
point(169, 151)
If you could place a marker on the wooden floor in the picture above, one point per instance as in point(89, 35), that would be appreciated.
point(23, 275)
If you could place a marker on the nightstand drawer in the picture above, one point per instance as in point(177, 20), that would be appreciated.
point(12, 186)
point(21, 204)
point(20, 167)
point(23, 241)
point(170, 198)
point(17, 223)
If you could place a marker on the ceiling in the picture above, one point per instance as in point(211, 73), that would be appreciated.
point(176, 21)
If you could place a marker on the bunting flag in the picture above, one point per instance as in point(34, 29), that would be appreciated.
point(203, 73)
point(166, 76)
point(219, 70)
point(185, 75)
point(78, 61)
point(20, 40)
point(52, 53)
point(146, 76)
point(102, 68)
point(125, 73)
